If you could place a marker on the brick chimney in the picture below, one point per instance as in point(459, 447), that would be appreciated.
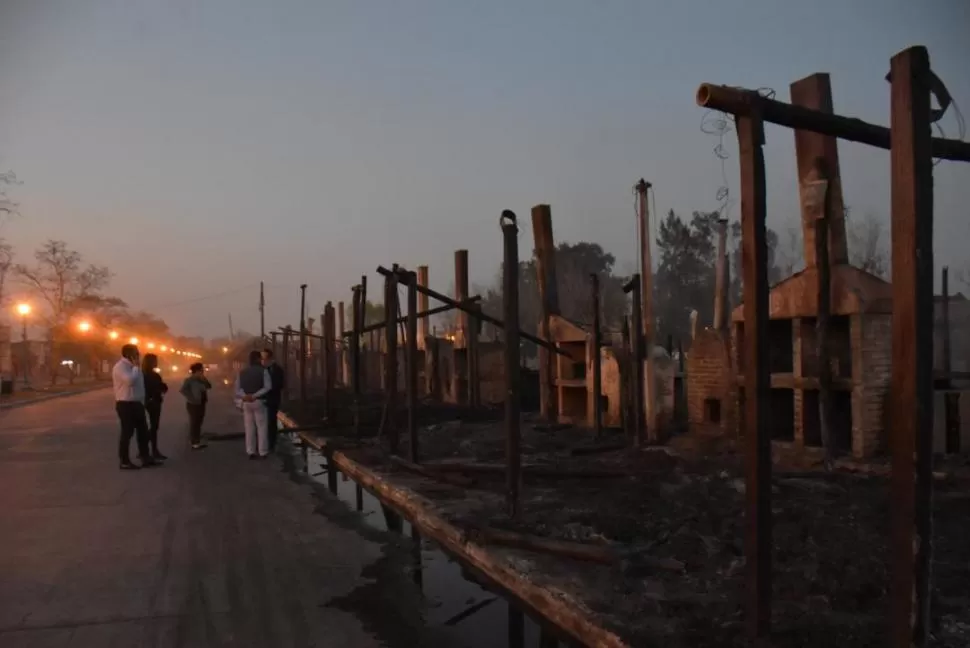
point(815, 92)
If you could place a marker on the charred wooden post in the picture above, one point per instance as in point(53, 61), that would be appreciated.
point(721, 278)
point(626, 379)
point(646, 320)
point(911, 392)
point(471, 310)
point(390, 359)
point(818, 200)
point(474, 377)
point(412, 365)
point(516, 627)
point(355, 358)
point(364, 376)
point(341, 350)
point(303, 345)
point(287, 331)
point(951, 400)
point(329, 356)
point(636, 361)
point(812, 151)
point(274, 343)
point(597, 408)
point(460, 387)
point(545, 251)
point(433, 371)
point(513, 392)
point(425, 322)
point(757, 436)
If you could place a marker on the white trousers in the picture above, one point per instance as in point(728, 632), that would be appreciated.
point(254, 421)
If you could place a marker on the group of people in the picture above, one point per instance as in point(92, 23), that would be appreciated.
point(140, 392)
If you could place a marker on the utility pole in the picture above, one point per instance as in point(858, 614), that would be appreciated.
point(262, 311)
point(646, 297)
point(232, 334)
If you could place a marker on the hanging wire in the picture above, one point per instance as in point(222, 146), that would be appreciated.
point(719, 124)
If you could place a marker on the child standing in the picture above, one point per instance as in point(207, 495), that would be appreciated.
point(195, 389)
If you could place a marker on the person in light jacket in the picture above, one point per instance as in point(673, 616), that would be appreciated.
point(195, 389)
point(129, 388)
point(252, 385)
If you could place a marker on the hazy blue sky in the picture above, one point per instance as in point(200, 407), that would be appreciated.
point(200, 146)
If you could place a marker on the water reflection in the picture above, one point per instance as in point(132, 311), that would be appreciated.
point(468, 614)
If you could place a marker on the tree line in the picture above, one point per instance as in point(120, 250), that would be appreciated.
point(63, 289)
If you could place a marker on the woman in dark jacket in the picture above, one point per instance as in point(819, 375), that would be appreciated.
point(155, 389)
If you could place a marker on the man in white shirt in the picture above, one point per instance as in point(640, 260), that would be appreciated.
point(252, 385)
point(129, 386)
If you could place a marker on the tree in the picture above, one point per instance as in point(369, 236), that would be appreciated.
point(6, 264)
point(64, 287)
point(867, 248)
point(734, 246)
point(7, 206)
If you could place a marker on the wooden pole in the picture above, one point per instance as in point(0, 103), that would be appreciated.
point(390, 359)
point(757, 436)
point(341, 350)
point(303, 346)
point(720, 278)
point(646, 321)
point(545, 253)
point(817, 198)
point(412, 366)
point(329, 356)
point(911, 394)
point(627, 380)
point(286, 361)
point(424, 323)
point(364, 376)
point(636, 361)
point(951, 399)
point(474, 377)
point(597, 365)
point(262, 311)
point(513, 394)
point(355, 357)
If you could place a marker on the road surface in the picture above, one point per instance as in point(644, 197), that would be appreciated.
point(210, 550)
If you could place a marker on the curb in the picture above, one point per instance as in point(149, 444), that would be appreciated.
point(41, 399)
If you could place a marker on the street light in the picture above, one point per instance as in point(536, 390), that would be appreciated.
point(164, 348)
point(84, 326)
point(24, 310)
point(133, 340)
point(151, 345)
point(113, 335)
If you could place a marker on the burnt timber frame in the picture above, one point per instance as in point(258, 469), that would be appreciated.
point(911, 421)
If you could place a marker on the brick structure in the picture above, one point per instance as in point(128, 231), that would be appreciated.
point(711, 387)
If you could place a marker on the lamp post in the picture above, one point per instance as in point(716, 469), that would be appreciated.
point(24, 310)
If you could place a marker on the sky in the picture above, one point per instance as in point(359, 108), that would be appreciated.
point(198, 147)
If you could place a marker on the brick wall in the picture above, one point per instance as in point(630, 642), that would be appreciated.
point(710, 376)
point(871, 336)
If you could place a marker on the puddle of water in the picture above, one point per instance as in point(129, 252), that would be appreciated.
point(459, 609)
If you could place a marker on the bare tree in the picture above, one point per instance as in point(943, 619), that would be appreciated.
point(6, 264)
point(7, 206)
point(61, 281)
point(867, 248)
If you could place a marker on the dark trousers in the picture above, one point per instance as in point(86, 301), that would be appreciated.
point(196, 416)
point(154, 410)
point(131, 414)
point(272, 409)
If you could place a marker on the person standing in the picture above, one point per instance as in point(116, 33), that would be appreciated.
point(195, 389)
point(155, 390)
point(252, 384)
point(129, 387)
point(273, 398)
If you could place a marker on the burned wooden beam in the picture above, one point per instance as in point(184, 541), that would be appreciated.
point(757, 379)
point(911, 391)
point(597, 364)
point(390, 361)
point(513, 389)
point(473, 357)
point(303, 345)
point(411, 361)
point(355, 357)
point(422, 315)
point(636, 361)
point(485, 317)
point(742, 102)
point(545, 253)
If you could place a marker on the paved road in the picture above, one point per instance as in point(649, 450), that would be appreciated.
point(210, 550)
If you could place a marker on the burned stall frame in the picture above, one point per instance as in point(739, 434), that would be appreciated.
point(912, 151)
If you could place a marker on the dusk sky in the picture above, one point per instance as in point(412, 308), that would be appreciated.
point(199, 146)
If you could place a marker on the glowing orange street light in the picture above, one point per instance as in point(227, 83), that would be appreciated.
point(84, 326)
point(151, 345)
point(113, 335)
point(133, 340)
point(23, 309)
point(164, 348)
